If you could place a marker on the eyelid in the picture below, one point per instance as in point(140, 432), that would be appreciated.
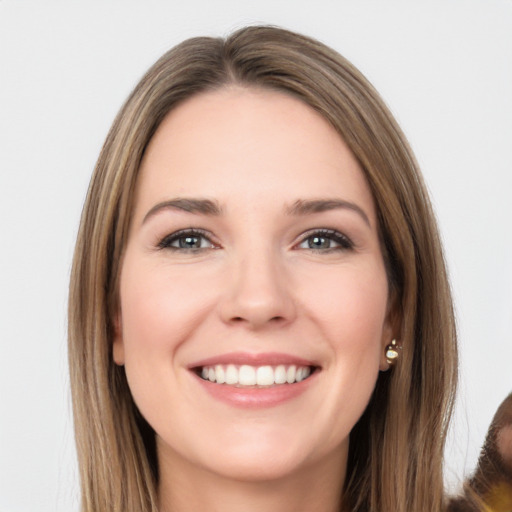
point(164, 243)
point(345, 243)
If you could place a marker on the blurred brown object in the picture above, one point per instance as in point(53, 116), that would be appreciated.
point(490, 487)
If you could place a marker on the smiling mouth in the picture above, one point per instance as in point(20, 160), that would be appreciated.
point(247, 376)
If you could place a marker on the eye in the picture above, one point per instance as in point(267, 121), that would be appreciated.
point(325, 240)
point(186, 240)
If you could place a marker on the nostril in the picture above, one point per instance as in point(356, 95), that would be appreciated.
point(272, 320)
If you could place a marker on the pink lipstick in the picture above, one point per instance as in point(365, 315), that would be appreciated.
point(255, 380)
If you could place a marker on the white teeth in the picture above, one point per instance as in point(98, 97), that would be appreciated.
point(290, 374)
point(265, 376)
point(280, 375)
point(302, 373)
point(231, 374)
point(220, 374)
point(247, 375)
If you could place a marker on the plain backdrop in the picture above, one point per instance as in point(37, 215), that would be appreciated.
point(443, 67)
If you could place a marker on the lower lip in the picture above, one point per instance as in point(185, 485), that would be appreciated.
point(256, 398)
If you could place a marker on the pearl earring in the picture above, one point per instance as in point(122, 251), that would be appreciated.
point(392, 352)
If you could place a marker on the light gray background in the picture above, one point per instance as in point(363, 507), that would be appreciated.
point(444, 68)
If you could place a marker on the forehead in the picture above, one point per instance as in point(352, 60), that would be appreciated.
point(247, 143)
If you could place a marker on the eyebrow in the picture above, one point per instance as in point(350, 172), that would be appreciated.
point(305, 207)
point(190, 205)
point(299, 207)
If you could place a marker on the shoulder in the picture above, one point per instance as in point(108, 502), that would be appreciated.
point(489, 489)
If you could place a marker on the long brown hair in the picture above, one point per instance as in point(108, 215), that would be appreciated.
point(396, 448)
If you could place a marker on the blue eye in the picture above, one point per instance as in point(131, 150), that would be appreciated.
point(325, 240)
point(186, 240)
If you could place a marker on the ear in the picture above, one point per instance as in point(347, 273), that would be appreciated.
point(390, 330)
point(118, 344)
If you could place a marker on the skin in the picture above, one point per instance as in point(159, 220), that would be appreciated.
point(254, 285)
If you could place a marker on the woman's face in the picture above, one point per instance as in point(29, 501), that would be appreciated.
point(253, 292)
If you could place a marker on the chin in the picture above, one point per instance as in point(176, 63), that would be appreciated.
point(241, 453)
point(262, 467)
point(265, 454)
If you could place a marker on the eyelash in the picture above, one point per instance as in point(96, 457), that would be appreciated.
point(344, 243)
point(166, 242)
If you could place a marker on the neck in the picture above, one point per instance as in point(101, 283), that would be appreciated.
point(316, 488)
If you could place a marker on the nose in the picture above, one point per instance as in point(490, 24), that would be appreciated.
point(257, 293)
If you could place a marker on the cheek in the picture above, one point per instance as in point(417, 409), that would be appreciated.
point(350, 305)
point(346, 308)
point(159, 308)
point(159, 311)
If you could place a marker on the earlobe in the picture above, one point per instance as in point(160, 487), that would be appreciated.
point(118, 344)
point(390, 346)
point(387, 339)
point(384, 365)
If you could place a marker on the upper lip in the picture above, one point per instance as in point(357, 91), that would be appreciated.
point(261, 359)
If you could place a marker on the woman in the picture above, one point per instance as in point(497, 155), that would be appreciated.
point(259, 307)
